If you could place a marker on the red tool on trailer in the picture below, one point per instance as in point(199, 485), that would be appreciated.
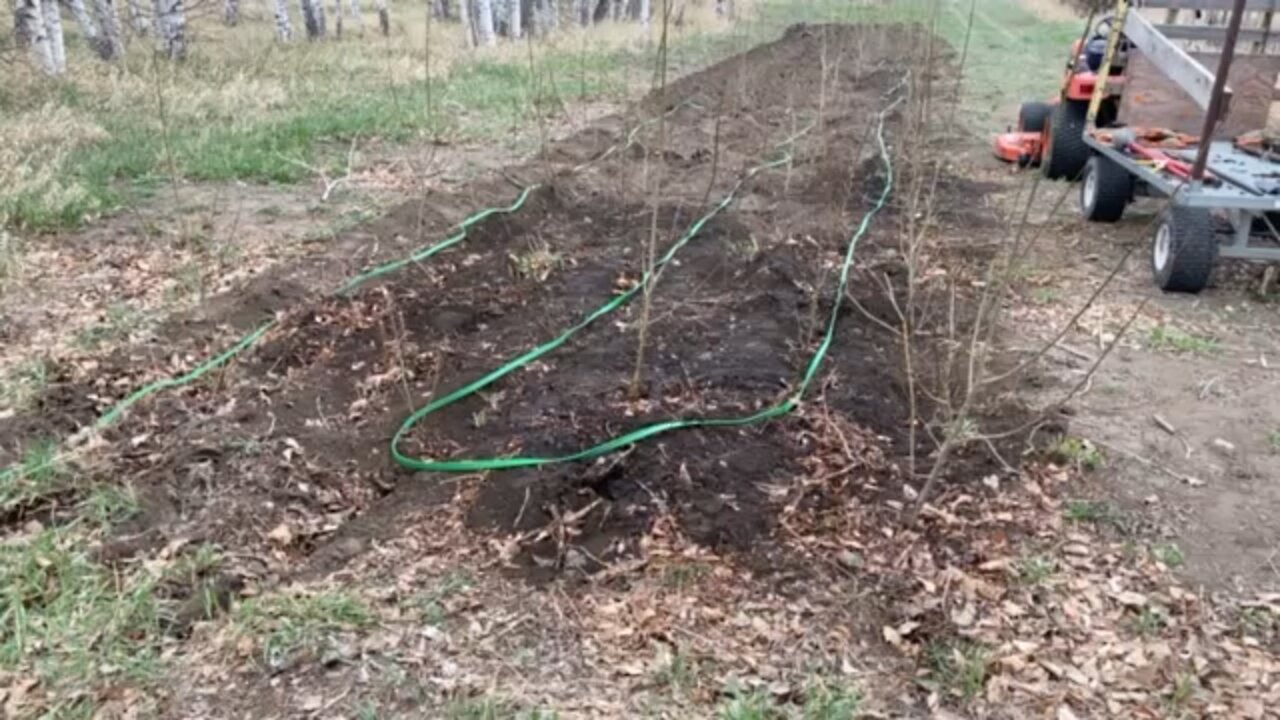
point(1048, 134)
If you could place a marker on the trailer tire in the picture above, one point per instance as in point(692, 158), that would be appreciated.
point(1184, 248)
point(1033, 115)
point(1105, 190)
point(1065, 152)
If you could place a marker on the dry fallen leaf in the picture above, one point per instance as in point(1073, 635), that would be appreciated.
point(281, 535)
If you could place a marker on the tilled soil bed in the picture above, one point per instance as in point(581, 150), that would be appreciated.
point(294, 432)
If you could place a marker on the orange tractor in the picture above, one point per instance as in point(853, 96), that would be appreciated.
point(1050, 134)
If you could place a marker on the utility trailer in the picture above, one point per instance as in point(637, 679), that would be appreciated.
point(1224, 196)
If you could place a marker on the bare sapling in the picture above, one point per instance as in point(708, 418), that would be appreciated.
point(964, 377)
point(653, 181)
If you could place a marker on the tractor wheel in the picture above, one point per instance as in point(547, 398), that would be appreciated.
point(1105, 190)
point(1184, 249)
point(1032, 116)
point(1065, 153)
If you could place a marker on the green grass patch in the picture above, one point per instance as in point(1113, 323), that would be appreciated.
point(1171, 339)
point(1148, 622)
point(756, 704)
point(1098, 512)
point(121, 320)
point(288, 628)
point(493, 707)
point(958, 669)
point(1045, 295)
point(1169, 554)
point(431, 605)
point(825, 699)
point(1079, 452)
point(682, 576)
point(25, 383)
point(1035, 570)
point(74, 625)
point(39, 474)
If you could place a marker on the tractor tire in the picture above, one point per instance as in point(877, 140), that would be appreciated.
point(1105, 190)
point(1032, 116)
point(1184, 249)
point(1065, 153)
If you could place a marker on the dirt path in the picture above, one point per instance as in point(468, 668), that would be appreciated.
point(1184, 412)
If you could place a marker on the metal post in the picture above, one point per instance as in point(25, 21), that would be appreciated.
point(1215, 96)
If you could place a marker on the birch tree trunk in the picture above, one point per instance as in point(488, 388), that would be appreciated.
point(515, 24)
point(171, 28)
point(28, 21)
point(337, 18)
point(110, 42)
point(642, 9)
point(312, 18)
point(384, 17)
point(138, 19)
point(356, 15)
point(484, 22)
point(231, 12)
point(467, 12)
point(53, 31)
point(284, 29)
point(81, 14)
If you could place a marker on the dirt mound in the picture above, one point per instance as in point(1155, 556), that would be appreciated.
point(295, 432)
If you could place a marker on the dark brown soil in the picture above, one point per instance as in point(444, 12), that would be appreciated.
point(296, 431)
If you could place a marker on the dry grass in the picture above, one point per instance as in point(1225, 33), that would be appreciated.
point(244, 107)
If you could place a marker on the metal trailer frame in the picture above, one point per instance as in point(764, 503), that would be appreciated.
point(1236, 192)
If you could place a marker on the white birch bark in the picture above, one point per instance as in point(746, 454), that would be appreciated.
point(337, 18)
point(284, 28)
point(87, 28)
point(171, 28)
point(231, 12)
point(356, 15)
point(138, 19)
point(642, 9)
point(484, 23)
point(53, 31)
point(28, 21)
point(110, 45)
point(467, 12)
point(384, 16)
point(515, 23)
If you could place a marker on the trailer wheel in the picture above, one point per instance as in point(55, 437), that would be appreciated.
point(1184, 249)
point(1033, 115)
point(1105, 190)
point(1064, 150)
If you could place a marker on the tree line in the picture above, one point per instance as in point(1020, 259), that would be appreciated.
point(106, 27)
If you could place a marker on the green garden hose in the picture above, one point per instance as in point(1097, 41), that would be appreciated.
point(621, 441)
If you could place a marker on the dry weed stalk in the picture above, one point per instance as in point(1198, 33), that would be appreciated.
point(655, 196)
point(958, 399)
